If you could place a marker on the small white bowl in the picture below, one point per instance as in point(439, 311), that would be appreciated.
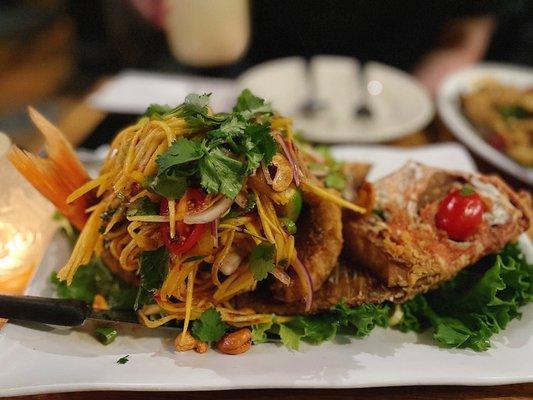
point(449, 108)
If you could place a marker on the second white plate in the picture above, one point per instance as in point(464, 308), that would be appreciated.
point(449, 108)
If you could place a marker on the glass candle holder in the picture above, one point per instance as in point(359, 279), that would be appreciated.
point(26, 225)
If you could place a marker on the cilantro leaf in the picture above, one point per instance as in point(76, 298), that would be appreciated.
point(153, 268)
point(209, 327)
point(248, 105)
point(180, 152)
point(231, 128)
point(221, 174)
point(169, 183)
point(197, 103)
point(123, 360)
point(157, 110)
point(335, 177)
point(261, 146)
point(259, 332)
point(262, 260)
point(195, 110)
point(143, 206)
point(335, 180)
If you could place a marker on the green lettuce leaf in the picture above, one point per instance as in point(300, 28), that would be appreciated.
point(94, 278)
point(480, 302)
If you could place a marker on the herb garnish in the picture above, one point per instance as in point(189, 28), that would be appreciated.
point(262, 260)
point(233, 147)
point(209, 327)
point(153, 268)
point(143, 206)
point(335, 177)
point(123, 360)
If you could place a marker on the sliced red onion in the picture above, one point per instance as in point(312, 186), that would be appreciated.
point(305, 281)
point(291, 160)
point(266, 173)
point(230, 263)
point(296, 172)
point(209, 214)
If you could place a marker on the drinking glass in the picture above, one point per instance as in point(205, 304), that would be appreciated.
point(26, 225)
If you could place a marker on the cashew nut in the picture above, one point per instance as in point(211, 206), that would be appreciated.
point(235, 342)
point(186, 342)
point(230, 263)
point(283, 177)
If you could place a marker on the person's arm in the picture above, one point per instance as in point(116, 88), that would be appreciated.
point(464, 41)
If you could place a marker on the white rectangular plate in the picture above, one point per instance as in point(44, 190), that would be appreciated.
point(57, 360)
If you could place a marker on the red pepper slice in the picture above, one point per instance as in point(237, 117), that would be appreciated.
point(188, 235)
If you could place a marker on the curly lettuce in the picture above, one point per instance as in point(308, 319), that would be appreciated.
point(464, 312)
point(480, 302)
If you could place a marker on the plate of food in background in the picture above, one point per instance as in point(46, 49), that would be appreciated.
point(489, 107)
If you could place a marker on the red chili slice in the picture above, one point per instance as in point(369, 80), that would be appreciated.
point(188, 235)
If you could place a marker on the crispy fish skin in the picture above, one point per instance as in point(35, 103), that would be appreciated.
point(349, 283)
point(346, 283)
point(405, 249)
point(397, 258)
point(318, 244)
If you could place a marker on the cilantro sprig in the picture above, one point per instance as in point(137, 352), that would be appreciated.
point(335, 177)
point(232, 148)
point(209, 327)
point(262, 260)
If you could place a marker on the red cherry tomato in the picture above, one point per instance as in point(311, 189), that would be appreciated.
point(188, 235)
point(460, 213)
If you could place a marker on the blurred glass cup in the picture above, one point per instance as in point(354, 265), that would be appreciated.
point(207, 33)
point(26, 225)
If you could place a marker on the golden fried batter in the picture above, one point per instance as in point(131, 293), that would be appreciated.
point(318, 242)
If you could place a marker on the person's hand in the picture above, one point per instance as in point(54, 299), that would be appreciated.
point(151, 10)
point(438, 64)
point(464, 42)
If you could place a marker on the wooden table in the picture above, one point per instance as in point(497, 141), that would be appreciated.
point(80, 120)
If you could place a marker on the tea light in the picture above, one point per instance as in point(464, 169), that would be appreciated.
point(26, 225)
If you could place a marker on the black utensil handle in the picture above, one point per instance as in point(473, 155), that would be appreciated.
point(65, 312)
